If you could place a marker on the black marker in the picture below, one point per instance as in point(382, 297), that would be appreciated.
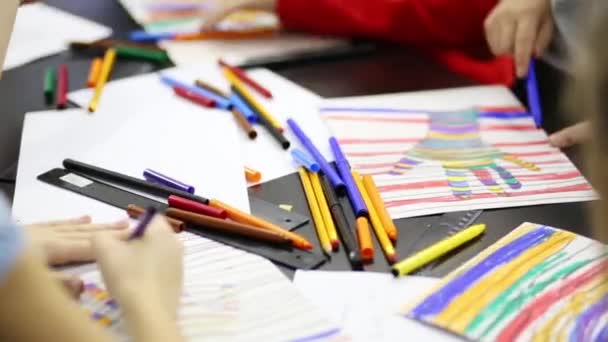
point(341, 222)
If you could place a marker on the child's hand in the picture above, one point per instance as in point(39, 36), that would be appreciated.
point(69, 241)
point(144, 270)
point(573, 135)
point(224, 8)
point(520, 28)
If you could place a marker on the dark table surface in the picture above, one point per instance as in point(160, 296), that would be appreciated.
point(390, 69)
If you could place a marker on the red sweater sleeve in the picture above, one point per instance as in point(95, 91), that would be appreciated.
point(445, 23)
point(449, 30)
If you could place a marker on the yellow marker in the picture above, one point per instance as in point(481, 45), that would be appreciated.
point(106, 69)
point(385, 242)
point(332, 234)
point(313, 204)
point(238, 84)
point(385, 217)
point(437, 250)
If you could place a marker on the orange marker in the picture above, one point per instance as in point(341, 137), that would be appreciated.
point(252, 175)
point(94, 72)
point(242, 217)
point(227, 35)
point(385, 242)
point(365, 239)
point(385, 218)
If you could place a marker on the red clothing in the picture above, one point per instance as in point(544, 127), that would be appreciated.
point(451, 30)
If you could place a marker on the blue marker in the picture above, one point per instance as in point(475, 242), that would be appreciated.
point(239, 104)
point(533, 95)
point(220, 101)
point(145, 37)
point(356, 200)
point(328, 170)
point(144, 222)
point(305, 160)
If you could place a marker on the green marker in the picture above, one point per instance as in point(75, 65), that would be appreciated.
point(129, 52)
point(50, 85)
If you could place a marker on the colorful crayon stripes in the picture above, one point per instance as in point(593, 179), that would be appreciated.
point(518, 282)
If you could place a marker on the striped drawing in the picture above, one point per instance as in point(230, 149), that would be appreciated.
point(536, 284)
point(427, 161)
point(454, 140)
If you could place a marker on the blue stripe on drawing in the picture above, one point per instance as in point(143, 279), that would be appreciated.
point(458, 184)
point(586, 322)
point(319, 336)
point(435, 303)
point(454, 129)
point(505, 115)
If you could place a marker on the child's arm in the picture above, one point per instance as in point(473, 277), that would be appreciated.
point(520, 28)
point(434, 23)
point(438, 23)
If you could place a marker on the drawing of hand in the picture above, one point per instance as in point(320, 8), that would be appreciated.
point(454, 140)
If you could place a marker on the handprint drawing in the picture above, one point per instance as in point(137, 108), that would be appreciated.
point(454, 140)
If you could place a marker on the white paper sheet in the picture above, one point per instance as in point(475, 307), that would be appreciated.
point(147, 93)
point(410, 142)
point(153, 19)
point(231, 295)
point(126, 141)
point(366, 304)
point(241, 51)
point(41, 31)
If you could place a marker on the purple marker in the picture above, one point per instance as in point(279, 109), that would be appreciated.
point(158, 178)
point(356, 200)
point(144, 221)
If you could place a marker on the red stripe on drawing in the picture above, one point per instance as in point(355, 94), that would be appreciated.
point(551, 176)
point(438, 184)
point(355, 141)
point(508, 128)
point(360, 118)
point(390, 165)
point(393, 153)
point(521, 143)
point(542, 304)
point(577, 187)
point(380, 141)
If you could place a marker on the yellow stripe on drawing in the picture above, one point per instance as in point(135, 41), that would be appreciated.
point(573, 308)
point(462, 310)
point(496, 188)
point(443, 136)
point(522, 230)
point(456, 179)
point(459, 164)
point(458, 188)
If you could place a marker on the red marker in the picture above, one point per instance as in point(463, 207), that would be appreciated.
point(196, 207)
point(242, 75)
point(62, 87)
point(192, 97)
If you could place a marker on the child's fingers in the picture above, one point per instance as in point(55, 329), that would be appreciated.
point(506, 40)
point(73, 284)
point(524, 43)
point(492, 31)
point(67, 252)
point(72, 221)
point(123, 224)
point(545, 34)
point(569, 136)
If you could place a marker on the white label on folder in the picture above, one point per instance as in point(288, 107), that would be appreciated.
point(74, 179)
